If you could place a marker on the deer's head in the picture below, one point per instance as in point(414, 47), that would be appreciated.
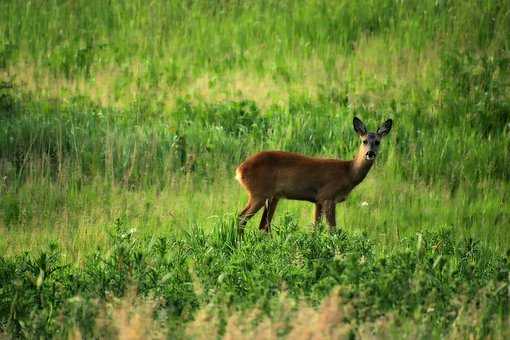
point(370, 140)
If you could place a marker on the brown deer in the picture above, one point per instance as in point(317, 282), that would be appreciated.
point(271, 175)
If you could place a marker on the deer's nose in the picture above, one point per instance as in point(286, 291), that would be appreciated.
point(370, 155)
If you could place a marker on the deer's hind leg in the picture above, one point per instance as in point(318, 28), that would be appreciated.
point(267, 215)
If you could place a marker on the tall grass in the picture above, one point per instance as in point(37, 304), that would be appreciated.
point(121, 53)
point(65, 157)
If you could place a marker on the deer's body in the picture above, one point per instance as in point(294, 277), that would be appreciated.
point(281, 174)
point(271, 175)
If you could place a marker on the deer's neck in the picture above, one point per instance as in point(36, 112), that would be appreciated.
point(360, 167)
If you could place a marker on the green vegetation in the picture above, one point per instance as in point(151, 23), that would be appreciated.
point(139, 113)
point(429, 279)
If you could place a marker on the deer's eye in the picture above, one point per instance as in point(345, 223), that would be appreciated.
point(365, 142)
point(377, 142)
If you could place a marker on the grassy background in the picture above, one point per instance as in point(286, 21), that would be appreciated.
point(141, 111)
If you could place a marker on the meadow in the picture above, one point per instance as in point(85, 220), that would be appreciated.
point(121, 124)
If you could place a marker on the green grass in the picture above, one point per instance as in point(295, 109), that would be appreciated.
point(139, 113)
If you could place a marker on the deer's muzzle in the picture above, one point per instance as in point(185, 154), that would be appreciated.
point(370, 155)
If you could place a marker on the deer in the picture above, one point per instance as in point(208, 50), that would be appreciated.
point(269, 176)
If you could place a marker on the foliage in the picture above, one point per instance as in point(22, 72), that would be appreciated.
point(430, 274)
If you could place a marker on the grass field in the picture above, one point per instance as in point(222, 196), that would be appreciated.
point(121, 124)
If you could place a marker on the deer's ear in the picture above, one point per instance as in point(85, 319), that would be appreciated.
point(385, 128)
point(359, 127)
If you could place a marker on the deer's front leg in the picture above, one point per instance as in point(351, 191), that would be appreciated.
point(317, 213)
point(329, 209)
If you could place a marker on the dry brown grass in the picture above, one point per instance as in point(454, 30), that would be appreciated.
point(326, 322)
point(129, 318)
point(297, 320)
